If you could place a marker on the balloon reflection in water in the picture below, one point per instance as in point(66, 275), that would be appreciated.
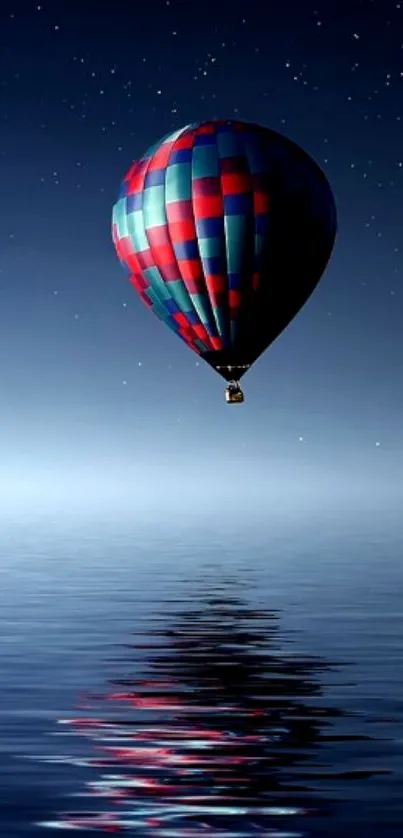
point(222, 736)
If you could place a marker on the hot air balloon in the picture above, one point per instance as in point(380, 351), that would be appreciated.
point(225, 229)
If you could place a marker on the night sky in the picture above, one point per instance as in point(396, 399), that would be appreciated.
point(98, 397)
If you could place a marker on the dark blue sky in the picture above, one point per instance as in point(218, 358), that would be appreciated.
point(96, 393)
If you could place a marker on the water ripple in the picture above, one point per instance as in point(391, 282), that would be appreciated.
point(224, 735)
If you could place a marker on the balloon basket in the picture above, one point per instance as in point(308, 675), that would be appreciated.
point(234, 394)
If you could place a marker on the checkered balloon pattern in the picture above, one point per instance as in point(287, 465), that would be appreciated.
point(193, 220)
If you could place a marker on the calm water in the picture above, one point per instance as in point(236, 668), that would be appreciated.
point(203, 677)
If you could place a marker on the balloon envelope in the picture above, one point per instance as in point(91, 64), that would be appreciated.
point(225, 229)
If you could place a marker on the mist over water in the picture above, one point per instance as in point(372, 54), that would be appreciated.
point(205, 673)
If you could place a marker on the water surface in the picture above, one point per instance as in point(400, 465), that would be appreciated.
point(202, 677)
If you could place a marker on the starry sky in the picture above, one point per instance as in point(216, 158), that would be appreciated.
point(98, 397)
